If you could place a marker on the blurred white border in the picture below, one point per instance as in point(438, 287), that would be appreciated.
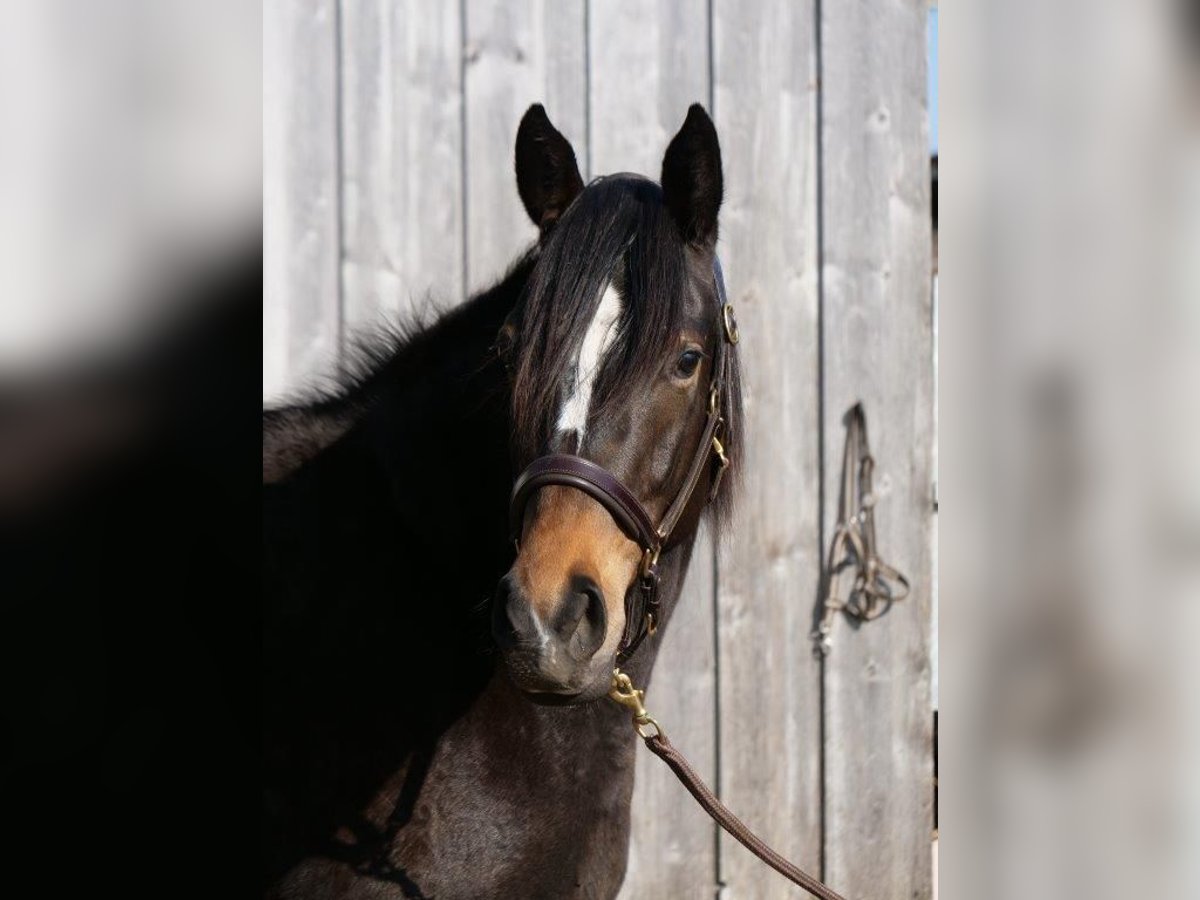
point(1070, 532)
point(131, 161)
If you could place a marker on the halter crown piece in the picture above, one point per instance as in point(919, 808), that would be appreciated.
point(569, 470)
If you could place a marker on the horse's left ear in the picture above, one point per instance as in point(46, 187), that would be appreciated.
point(691, 178)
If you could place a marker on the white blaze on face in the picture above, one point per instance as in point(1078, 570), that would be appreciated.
point(596, 342)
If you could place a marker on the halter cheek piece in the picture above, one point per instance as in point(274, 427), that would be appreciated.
point(568, 470)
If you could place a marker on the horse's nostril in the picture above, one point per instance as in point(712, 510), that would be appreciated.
point(596, 615)
point(578, 626)
point(506, 625)
point(584, 618)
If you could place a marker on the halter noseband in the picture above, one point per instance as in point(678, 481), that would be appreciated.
point(569, 470)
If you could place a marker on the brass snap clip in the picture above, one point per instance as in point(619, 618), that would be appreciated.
point(624, 693)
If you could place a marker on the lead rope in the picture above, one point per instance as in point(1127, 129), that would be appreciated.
point(624, 693)
point(877, 585)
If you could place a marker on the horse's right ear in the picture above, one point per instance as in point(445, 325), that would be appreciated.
point(547, 175)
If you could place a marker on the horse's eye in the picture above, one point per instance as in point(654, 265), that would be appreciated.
point(688, 362)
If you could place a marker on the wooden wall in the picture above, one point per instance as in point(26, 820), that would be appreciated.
point(388, 159)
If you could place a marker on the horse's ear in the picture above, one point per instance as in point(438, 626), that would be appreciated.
point(547, 175)
point(691, 178)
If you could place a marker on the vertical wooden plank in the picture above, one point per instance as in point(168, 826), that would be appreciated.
point(300, 193)
point(517, 53)
point(648, 63)
point(402, 147)
point(766, 105)
point(877, 349)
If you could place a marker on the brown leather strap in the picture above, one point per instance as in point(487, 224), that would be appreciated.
point(703, 455)
point(595, 481)
point(665, 750)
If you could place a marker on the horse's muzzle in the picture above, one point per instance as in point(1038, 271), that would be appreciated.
point(550, 647)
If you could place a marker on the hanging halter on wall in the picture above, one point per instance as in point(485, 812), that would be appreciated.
point(877, 585)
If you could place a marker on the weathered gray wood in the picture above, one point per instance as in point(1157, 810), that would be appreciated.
point(519, 53)
point(769, 755)
point(878, 344)
point(301, 315)
point(402, 146)
point(648, 63)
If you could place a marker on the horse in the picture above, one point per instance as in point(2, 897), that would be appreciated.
point(435, 669)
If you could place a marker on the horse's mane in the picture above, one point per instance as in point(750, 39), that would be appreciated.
point(391, 352)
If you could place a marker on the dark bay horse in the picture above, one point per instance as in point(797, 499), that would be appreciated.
point(405, 755)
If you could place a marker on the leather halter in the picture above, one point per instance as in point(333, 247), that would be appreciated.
point(569, 470)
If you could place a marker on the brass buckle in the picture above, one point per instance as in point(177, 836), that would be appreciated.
point(649, 576)
point(731, 326)
point(649, 561)
point(723, 458)
point(719, 449)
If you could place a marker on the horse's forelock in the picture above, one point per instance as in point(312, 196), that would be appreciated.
point(617, 230)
